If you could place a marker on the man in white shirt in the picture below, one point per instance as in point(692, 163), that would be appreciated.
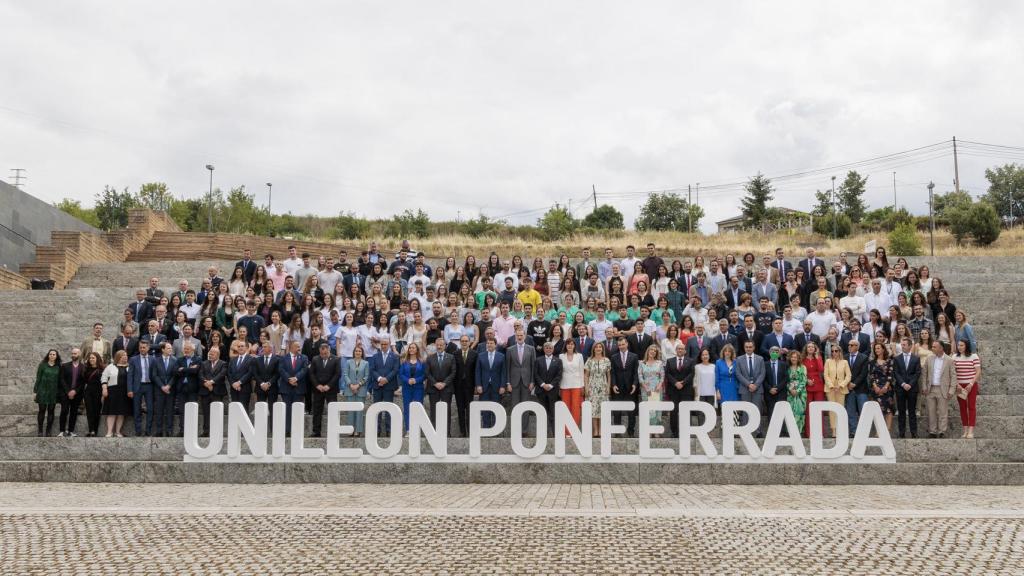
point(791, 325)
point(877, 300)
point(599, 326)
point(420, 276)
point(822, 319)
point(939, 383)
point(292, 263)
point(499, 278)
point(891, 287)
point(329, 277)
point(190, 308)
point(716, 280)
point(629, 263)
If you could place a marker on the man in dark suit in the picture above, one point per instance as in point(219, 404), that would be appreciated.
point(698, 342)
point(859, 385)
point(776, 380)
point(187, 377)
point(802, 339)
point(154, 293)
point(126, 341)
point(808, 264)
point(70, 391)
point(584, 343)
point(639, 341)
point(140, 384)
point(213, 387)
point(141, 309)
point(722, 339)
point(906, 373)
point(547, 377)
point(292, 369)
point(679, 383)
point(776, 338)
point(733, 292)
point(781, 265)
point(253, 322)
point(750, 334)
point(163, 371)
point(465, 382)
point(855, 334)
point(383, 379)
point(264, 377)
point(324, 373)
point(240, 375)
point(440, 382)
point(490, 377)
point(625, 381)
point(247, 265)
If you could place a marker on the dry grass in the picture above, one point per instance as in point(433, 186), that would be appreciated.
point(1010, 243)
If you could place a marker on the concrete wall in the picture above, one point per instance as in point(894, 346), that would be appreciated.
point(26, 221)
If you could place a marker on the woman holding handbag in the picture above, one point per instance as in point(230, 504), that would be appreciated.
point(967, 367)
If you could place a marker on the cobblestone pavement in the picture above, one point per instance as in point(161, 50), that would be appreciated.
point(512, 529)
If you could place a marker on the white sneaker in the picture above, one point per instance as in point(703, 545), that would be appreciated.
point(72, 435)
point(60, 434)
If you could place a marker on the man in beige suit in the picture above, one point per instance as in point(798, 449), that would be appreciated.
point(97, 343)
point(938, 381)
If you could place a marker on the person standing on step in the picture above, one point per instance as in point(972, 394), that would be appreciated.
point(140, 387)
point(92, 392)
point(324, 374)
point(117, 397)
point(240, 376)
point(520, 359)
point(187, 382)
point(46, 389)
point(212, 385)
point(96, 342)
point(938, 381)
point(967, 367)
point(906, 371)
point(162, 372)
point(72, 383)
point(440, 382)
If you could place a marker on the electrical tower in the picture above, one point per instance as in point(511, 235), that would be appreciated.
point(18, 177)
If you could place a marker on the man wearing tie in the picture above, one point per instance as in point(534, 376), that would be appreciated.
point(907, 373)
point(162, 372)
point(808, 264)
point(547, 377)
point(695, 344)
point(291, 379)
point(639, 341)
point(781, 265)
point(776, 339)
point(804, 338)
point(324, 373)
point(519, 363)
point(584, 343)
point(859, 386)
point(776, 381)
point(142, 310)
point(187, 375)
point(383, 379)
point(140, 386)
point(247, 265)
point(440, 382)
point(490, 375)
point(625, 382)
point(750, 375)
point(240, 375)
point(679, 383)
point(722, 339)
point(465, 382)
point(264, 377)
point(212, 385)
point(750, 334)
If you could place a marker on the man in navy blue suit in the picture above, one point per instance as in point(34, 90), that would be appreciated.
point(906, 372)
point(140, 386)
point(490, 379)
point(163, 369)
point(384, 379)
point(781, 264)
point(240, 376)
point(584, 343)
point(187, 375)
point(777, 338)
point(776, 381)
point(292, 369)
point(247, 265)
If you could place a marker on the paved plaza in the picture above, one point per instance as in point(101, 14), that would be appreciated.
point(509, 529)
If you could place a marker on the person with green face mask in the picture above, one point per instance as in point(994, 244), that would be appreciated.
point(775, 380)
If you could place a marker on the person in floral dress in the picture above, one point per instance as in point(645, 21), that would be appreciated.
point(652, 378)
point(597, 374)
point(797, 397)
point(880, 382)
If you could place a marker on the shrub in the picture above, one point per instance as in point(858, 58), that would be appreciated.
point(903, 241)
point(828, 224)
point(979, 221)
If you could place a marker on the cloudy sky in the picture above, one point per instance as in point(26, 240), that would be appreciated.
point(505, 107)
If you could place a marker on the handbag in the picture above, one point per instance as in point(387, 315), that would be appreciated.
point(962, 392)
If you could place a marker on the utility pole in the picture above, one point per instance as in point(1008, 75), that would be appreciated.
point(689, 213)
point(894, 207)
point(697, 194)
point(270, 194)
point(17, 177)
point(458, 216)
point(931, 214)
point(209, 212)
point(956, 167)
point(835, 215)
point(594, 188)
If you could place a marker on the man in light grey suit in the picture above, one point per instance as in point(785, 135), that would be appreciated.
point(519, 363)
point(765, 288)
point(440, 382)
point(750, 377)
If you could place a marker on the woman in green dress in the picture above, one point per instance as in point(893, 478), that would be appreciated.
point(45, 389)
point(597, 374)
point(797, 388)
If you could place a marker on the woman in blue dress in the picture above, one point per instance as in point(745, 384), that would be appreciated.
point(726, 387)
point(411, 373)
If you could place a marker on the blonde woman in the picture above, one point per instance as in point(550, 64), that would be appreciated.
point(837, 381)
point(597, 373)
point(652, 379)
point(117, 399)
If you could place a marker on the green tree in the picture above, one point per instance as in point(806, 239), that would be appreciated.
point(886, 218)
point(557, 223)
point(604, 217)
point(480, 226)
point(410, 223)
point(823, 203)
point(903, 240)
point(755, 204)
point(833, 225)
point(668, 211)
point(348, 226)
point(850, 196)
point(154, 195)
point(943, 204)
point(239, 214)
point(189, 214)
point(74, 208)
point(112, 207)
point(979, 221)
point(1006, 189)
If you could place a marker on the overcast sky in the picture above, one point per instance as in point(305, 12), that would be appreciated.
point(503, 107)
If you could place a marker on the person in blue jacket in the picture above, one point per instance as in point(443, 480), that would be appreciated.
point(411, 373)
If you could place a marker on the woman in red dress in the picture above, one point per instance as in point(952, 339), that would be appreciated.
point(815, 382)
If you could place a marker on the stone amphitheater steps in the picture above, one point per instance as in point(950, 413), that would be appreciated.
point(201, 246)
point(975, 462)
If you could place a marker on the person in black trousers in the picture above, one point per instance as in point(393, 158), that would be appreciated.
point(440, 382)
point(547, 378)
point(465, 382)
point(625, 382)
point(679, 383)
point(212, 385)
point(70, 392)
point(324, 373)
point(776, 381)
point(92, 393)
point(906, 373)
point(240, 376)
point(264, 378)
point(187, 375)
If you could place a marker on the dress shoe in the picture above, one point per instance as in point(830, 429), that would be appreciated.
point(930, 435)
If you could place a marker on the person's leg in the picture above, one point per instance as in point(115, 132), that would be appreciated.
point(852, 413)
point(902, 399)
point(40, 415)
point(912, 412)
point(118, 425)
point(76, 403)
point(160, 401)
point(110, 425)
point(93, 407)
point(931, 408)
point(406, 401)
point(943, 411)
point(318, 411)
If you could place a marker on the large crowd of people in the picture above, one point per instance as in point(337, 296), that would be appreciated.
point(506, 329)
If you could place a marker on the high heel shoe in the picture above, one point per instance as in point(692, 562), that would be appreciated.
point(970, 433)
